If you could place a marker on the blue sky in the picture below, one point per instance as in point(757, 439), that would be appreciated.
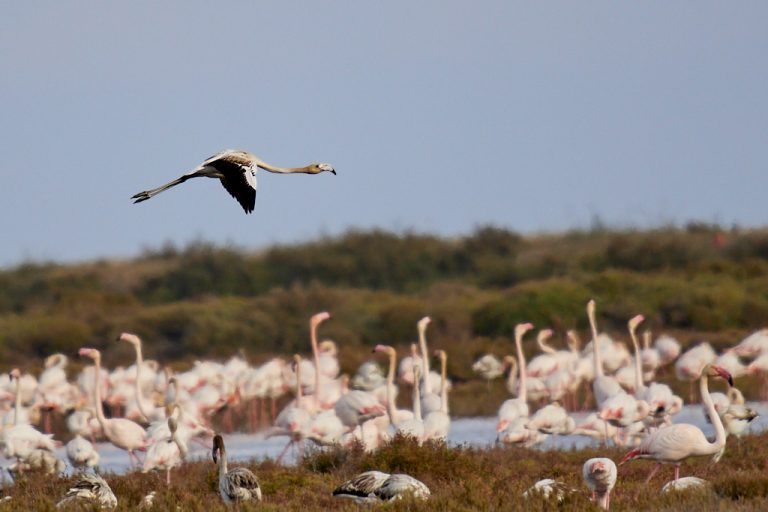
point(438, 116)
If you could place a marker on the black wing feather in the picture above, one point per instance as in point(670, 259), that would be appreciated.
point(236, 183)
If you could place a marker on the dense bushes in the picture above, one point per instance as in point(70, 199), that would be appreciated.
point(207, 301)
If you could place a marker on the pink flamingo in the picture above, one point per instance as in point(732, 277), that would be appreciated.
point(675, 443)
point(600, 476)
point(121, 432)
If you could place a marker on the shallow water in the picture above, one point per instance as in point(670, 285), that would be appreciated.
point(478, 432)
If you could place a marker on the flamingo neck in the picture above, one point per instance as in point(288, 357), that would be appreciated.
point(522, 392)
point(443, 386)
point(298, 383)
point(97, 394)
point(544, 347)
point(595, 348)
point(182, 446)
point(512, 376)
point(17, 402)
point(143, 409)
point(713, 416)
point(639, 386)
point(391, 409)
point(416, 401)
point(280, 170)
point(425, 361)
point(222, 462)
point(316, 356)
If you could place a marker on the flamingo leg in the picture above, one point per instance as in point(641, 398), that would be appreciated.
point(273, 409)
point(653, 472)
point(168, 477)
point(285, 450)
point(677, 472)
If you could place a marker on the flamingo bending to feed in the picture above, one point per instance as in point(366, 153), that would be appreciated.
point(89, 489)
point(373, 486)
point(167, 453)
point(675, 443)
point(600, 476)
point(237, 172)
point(488, 367)
point(236, 484)
point(81, 453)
point(121, 432)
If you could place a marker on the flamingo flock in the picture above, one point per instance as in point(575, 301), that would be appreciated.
point(155, 413)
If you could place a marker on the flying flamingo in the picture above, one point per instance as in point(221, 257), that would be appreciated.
point(237, 172)
point(121, 432)
point(675, 443)
point(600, 476)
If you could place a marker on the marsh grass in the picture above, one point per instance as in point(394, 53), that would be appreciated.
point(461, 479)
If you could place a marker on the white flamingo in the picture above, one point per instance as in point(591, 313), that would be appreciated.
point(167, 453)
point(488, 367)
point(121, 432)
point(514, 408)
point(437, 424)
point(600, 476)
point(148, 412)
point(675, 443)
point(603, 387)
point(81, 453)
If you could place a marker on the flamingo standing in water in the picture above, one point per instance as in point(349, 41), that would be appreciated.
point(514, 408)
point(603, 386)
point(121, 432)
point(675, 443)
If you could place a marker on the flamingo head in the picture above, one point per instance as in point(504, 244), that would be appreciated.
point(218, 447)
point(712, 370)
point(89, 352)
point(318, 168)
point(130, 338)
point(598, 466)
point(544, 334)
point(634, 322)
point(591, 307)
point(383, 348)
point(521, 329)
point(15, 374)
point(320, 317)
point(423, 323)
